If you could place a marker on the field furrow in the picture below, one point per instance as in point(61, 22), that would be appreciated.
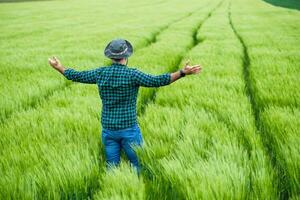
point(156, 35)
point(272, 58)
point(255, 110)
point(150, 98)
point(182, 156)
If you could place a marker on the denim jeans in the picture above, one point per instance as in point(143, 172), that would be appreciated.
point(116, 140)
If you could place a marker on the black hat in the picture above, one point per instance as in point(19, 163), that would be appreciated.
point(118, 49)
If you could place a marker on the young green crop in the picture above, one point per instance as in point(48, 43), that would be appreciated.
point(274, 71)
point(64, 118)
point(214, 151)
point(78, 40)
point(121, 184)
point(206, 136)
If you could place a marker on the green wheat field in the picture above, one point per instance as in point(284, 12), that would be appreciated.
point(232, 132)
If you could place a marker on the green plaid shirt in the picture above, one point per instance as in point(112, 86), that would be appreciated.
point(118, 88)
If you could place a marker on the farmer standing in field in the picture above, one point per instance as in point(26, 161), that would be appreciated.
point(118, 88)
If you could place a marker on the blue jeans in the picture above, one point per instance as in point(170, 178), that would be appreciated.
point(116, 140)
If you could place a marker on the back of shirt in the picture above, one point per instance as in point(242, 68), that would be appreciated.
point(118, 88)
point(118, 93)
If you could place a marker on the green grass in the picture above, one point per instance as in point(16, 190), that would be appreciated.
point(273, 76)
point(230, 133)
point(216, 148)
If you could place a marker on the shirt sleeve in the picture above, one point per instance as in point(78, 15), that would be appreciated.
point(87, 76)
point(148, 80)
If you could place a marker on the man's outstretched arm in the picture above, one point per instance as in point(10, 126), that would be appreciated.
point(147, 80)
point(88, 76)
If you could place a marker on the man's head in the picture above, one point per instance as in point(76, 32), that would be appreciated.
point(118, 50)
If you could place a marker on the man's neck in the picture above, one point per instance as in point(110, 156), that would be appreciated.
point(119, 63)
point(122, 62)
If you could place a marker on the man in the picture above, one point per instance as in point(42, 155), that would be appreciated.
point(118, 88)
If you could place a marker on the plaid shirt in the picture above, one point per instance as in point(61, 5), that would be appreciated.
point(118, 88)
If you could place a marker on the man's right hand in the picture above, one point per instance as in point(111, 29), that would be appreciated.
point(188, 70)
point(55, 63)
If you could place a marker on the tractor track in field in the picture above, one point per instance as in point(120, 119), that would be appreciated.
point(148, 175)
point(156, 34)
point(146, 101)
point(195, 42)
point(154, 37)
point(250, 92)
